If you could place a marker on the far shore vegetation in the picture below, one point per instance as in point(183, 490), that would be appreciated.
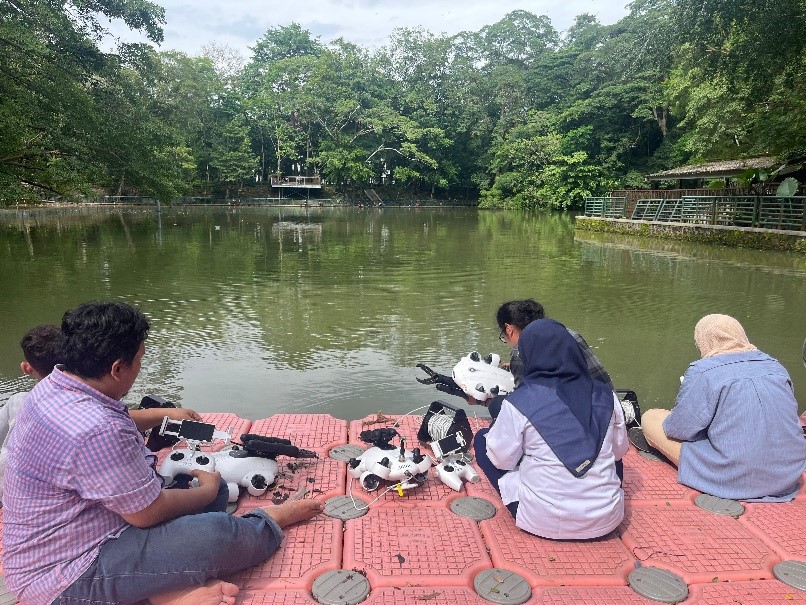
point(516, 115)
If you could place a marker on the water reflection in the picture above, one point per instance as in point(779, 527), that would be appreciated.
point(258, 311)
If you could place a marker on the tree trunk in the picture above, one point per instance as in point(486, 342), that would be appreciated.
point(661, 114)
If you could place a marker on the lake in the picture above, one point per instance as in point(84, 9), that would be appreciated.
point(259, 311)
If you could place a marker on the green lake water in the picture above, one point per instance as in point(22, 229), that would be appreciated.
point(259, 311)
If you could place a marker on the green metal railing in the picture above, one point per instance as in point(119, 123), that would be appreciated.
point(768, 212)
point(608, 207)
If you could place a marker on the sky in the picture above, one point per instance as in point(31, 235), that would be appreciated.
point(190, 24)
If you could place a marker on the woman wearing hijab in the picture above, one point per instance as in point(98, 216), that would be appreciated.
point(734, 431)
point(552, 450)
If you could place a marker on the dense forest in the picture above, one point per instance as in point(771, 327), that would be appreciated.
point(516, 114)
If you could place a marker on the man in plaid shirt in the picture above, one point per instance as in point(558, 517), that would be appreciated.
point(85, 515)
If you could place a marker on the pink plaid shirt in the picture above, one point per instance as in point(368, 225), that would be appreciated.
point(75, 464)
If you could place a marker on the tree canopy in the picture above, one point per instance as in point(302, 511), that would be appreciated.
point(516, 114)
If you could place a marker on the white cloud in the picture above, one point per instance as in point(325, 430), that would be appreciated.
point(368, 23)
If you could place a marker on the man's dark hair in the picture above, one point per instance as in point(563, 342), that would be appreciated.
point(41, 347)
point(99, 333)
point(519, 313)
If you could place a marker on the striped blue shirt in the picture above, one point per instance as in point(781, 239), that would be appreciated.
point(737, 417)
point(75, 464)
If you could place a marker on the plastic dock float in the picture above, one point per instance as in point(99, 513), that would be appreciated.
point(436, 546)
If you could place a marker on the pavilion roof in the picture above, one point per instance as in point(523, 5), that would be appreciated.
point(714, 170)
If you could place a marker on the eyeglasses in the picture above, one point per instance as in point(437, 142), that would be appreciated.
point(502, 335)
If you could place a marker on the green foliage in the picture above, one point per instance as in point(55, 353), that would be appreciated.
point(515, 112)
point(788, 187)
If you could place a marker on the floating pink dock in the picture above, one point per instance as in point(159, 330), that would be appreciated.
point(431, 545)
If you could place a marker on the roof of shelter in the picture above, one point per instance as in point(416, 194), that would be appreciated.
point(723, 168)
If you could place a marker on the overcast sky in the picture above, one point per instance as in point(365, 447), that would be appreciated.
point(190, 24)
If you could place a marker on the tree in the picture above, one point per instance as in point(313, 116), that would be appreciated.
point(55, 84)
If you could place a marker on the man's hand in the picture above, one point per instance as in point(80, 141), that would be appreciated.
point(207, 480)
point(180, 414)
point(151, 417)
point(173, 503)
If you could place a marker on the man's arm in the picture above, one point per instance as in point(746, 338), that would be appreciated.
point(152, 417)
point(173, 503)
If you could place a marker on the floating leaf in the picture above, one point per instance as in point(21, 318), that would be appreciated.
point(400, 558)
point(715, 580)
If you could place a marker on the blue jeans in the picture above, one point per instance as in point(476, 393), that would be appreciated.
point(492, 472)
point(183, 553)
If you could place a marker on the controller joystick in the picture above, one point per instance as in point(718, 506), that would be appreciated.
point(453, 470)
point(183, 461)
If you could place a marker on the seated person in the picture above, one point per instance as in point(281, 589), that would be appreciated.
point(512, 318)
point(85, 515)
point(40, 348)
point(734, 430)
point(552, 451)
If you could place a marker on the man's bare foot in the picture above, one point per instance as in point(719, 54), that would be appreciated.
point(215, 592)
point(294, 511)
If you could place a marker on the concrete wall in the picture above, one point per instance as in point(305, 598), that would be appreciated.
point(739, 237)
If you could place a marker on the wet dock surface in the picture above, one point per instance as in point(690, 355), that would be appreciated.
point(436, 546)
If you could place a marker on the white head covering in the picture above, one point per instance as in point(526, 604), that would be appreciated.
point(716, 334)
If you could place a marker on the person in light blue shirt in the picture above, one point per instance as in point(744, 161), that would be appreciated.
point(734, 431)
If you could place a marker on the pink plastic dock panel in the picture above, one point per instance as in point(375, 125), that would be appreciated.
point(322, 478)
point(414, 546)
point(603, 562)
point(695, 544)
point(319, 432)
point(781, 525)
point(653, 481)
point(431, 595)
point(225, 420)
point(744, 593)
point(276, 597)
point(308, 550)
point(589, 595)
